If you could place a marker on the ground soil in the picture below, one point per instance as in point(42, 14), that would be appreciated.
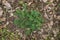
point(50, 11)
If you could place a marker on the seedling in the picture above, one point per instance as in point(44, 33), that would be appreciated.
point(28, 19)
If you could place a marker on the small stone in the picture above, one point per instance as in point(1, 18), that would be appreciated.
point(51, 22)
point(49, 26)
point(29, 3)
point(44, 0)
point(52, 38)
point(1, 11)
point(55, 16)
point(34, 31)
point(11, 14)
point(42, 30)
point(50, 12)
point(51, 0)
point(8, 30)
point(7, 5)
point(17, 30)
point(7, 23)
point(39, 33)
point(49, 8)
point(54, 31)
point(3, 19)
point(40, 0)
point(44, 36)
point(20, 34)
point(58, 17)
point(46, 16)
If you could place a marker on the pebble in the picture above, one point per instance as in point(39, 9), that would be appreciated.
point(44, 0)
point(29, 3)
point(7, 5)
point(52, 38)
point(51, 23)
point(58, 17)
point(51, 0)
point(46, 16)
point(55, 16)
point(1, 11)
point(3, 19)
point(7, 23)
point(11, 14)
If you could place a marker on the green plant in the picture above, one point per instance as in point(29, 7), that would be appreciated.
point(5, 34)
point(28, 19)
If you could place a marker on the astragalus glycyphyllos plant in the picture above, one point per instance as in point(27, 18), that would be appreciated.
point(31, 20)
point(28, 19)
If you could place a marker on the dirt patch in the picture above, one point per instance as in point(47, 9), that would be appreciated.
point(50, 10)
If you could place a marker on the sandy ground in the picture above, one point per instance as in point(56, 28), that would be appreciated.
point(50, 10)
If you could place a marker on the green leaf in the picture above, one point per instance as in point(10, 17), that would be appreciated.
point(29, 19)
